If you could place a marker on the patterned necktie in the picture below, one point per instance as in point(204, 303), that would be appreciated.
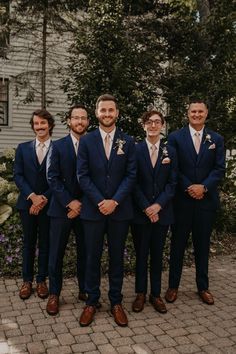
point(107, 145)
point(40, 152)
point(153, 155)
point(197, 142)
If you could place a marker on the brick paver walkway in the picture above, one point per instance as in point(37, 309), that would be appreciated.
point(189, 326)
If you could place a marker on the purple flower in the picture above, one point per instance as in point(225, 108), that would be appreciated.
point(9, 259)
point(2, 238)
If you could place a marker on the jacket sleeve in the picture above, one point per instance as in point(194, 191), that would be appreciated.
point(54, 177)
point(19, 174)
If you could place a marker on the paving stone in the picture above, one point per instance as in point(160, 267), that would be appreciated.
point(83, 347)
point(112, 334)
point(36, 348)
point(116, 342)
point(125, 349)
point(167, 341)
point(65, 349)
point(223, 342)
point(4, 348)
point(188, 348)
point(44, 329)
point(66, 339)
point(198, 339)
point(59, 328)
point(143, 338)
point(166, 351)
point(51, 343)
point(13, 333)
point(106, 349)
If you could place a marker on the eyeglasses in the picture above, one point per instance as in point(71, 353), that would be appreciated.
point(150, 122)
point(79, 118)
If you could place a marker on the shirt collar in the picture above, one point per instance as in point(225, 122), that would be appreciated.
point(104, 134)
point(150, 144)
point(74, 140)
point(193, 131)
point(46, 143)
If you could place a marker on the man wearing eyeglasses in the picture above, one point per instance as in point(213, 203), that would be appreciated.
point(65, 205)
point(153, 212)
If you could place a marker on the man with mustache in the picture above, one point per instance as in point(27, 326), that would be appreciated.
point(65, 205)
point(30, 178)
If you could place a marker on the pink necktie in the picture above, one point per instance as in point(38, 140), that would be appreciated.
point(197, 142)
point(107, 145)
point(153, 155)
point(40, 153)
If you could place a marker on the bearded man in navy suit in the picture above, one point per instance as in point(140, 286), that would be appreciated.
point(153, 210)
point(106, 174)
point(30, 178)
point(201, 161)
point(65, 205)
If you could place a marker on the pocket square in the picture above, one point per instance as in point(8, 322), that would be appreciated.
point(165, 160)
point(212, 146)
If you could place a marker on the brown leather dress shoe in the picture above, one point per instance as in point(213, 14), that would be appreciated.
point(171, 294)
point(25, 290)
point(42, 290)
point(158, 304)
point(139, 302)
point(87, 315)
point(206, 297)
point(119, 315)
point(53, 305)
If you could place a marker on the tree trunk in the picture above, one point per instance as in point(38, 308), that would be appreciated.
point(204, 9)
point(44, 57)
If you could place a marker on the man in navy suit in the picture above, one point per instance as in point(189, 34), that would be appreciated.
point(153, 211)
point(201, 160)
point(65, 205)
point(30, 178)
point(106, 173)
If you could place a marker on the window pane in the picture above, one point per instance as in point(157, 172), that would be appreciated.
point(4, 33)
point(3, 102)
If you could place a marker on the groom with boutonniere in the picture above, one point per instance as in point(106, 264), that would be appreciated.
point(106, 174)
point(153, 211)
point(201, 159)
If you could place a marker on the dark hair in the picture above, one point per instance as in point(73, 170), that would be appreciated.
point(76, 106)
point(146, 115)
point(106, 97)
point(43, 113)
point(197, 100)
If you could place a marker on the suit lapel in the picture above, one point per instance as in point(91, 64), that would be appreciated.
point(71, 147)
point(146, 156)
point(203, 146)
point(33, 154)
point(99, 146)
point(189, 143)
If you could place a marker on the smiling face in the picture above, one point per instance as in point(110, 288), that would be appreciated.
point(41, 128)
point(197, 114)
point(78, 121)
point(153, 126)
point(107, 114)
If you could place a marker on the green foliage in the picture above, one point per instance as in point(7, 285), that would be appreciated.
point(105, 58)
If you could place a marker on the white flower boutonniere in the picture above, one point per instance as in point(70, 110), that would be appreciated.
point(165, 156)
point(207, 139)
point(119, 144)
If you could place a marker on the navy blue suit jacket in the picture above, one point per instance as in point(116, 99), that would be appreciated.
point(207, 168)
point(61, 175)
point(155, 185)
point(101, 179)
point(29, 175)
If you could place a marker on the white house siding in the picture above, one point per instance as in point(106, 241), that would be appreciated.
point(19, 60)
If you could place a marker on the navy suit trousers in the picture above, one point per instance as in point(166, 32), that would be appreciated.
point(35, 227)
point(199, 222)
point(60, 230)
point(116, 232)
point(149, 239)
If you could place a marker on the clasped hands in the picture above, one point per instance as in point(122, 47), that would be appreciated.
point(196, 191)
point(38, 203)
point(152, 212)
point(107, 206)
point(74, 208)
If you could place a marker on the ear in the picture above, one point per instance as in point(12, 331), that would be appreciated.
point(68, 122)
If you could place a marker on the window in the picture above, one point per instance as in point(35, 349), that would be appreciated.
point(4, 32)
point(4, 89)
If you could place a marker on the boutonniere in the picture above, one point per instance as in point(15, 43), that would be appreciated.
point(207, 139)
point(119, 144)
point(165, 156)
